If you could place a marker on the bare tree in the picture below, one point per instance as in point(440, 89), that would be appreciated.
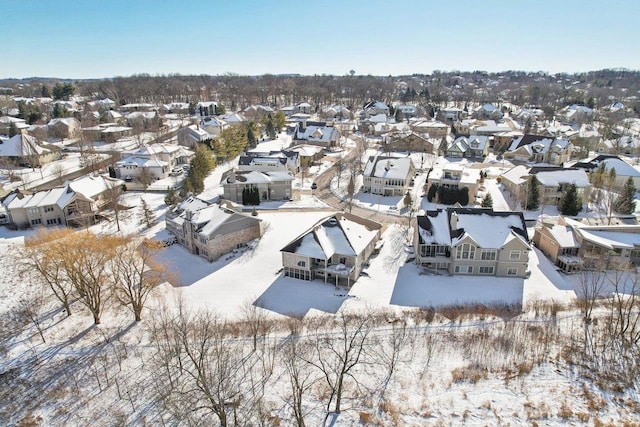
point(30, 306)
point(145, 177)
point(135, 273)
point(43, 257)
point(112, 197)
point(210, 373)
point(85, 258)
point(256, 321)
point(58, 171)
point(337, 355)
point(301, 379)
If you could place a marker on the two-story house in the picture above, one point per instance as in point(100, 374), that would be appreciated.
point(334, 249)
point(454, 177)
point(474, 146)
point(211, 231)
point(473, 241)
point(272, 185)
point(388, 176)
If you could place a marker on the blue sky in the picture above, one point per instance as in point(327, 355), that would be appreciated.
point(107, 38)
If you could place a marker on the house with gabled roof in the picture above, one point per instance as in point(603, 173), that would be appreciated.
point(388, 176)
point(473, 146)
point(624, 170)
point(487, 111)
point(191, 136)
point(573, 245)
point(271, 186)
point(540, 149)
point(25, 150)
point(316, 133)
point(210, 230)
point(472, 241)
point(334, 249)
point(409, 141)
point(553, 181)
point(375, 108)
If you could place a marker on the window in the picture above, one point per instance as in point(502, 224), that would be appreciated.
point(466, 251)
point(33, 210)
point(52, 221)
point(302, 264)
point(512, 271)
point(36, 221)
point(463, 269)
point(514, 255)
point(48, 209)
point(488, 254)
point(486, 270)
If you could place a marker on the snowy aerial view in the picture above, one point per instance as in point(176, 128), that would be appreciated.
point(275, 229)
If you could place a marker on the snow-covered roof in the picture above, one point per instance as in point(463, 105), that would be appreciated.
point(564, 236)
point(318, 133)
point(488, 229)
point(340, 234)
point(59, 196)
point(612, 239)
point(565, 176)
point(388, 167)
point(91, 186)
point(21, 145)
point(517, 174)
point(141, 162)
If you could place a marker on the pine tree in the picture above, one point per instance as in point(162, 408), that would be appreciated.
point(487, 201)
point(171, 199)
point(280, 121)
point(270, 126)
point(533, 193)
point(625, 203)
point(570, 204)
point(252, 140)
point(148, 218)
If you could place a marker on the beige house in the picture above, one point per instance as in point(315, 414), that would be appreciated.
point(274, 185)
point(572, 245)
point(540, 149)
point(473, 241)
point(75, 204)
point(211, 231)
point(409, 141)
point(388, 176)
point(454, 177)
point(64, 128)
point(553, 183)
point(334, 249)
point(24, 150)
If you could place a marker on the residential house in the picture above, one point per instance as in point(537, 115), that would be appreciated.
point(7, 121)
point(554, 181)
point(262, 163)
point(388, 176)
point(572, 245)
point(25, 151)
point(375, 108)
point(409, 141)
point(474, 146)
point(576, 113)
point(74, 204)
point(257, 112)
point(336, 112)
point(274, 185)
point(316, 133)
point(181, 108)
point(144, 120)
point(112, 134)
point(627, 145)
point(152, 162)
point(64, 128)
point(540, 149)
point(307, 154)
point(433, 128)
point(210, 230)
point(335, 249)
point(231, 119)
point(213, 126)
point(191, 136)
point(624, 170)
point(449, 115)
point(454, 176)
point(302, 108)
point(487, 111)
point(559, 243)
point(472, 241)
point(207, 108)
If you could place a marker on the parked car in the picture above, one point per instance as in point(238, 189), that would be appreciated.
point(128, 178)
point(314, 186)
point(176, 171)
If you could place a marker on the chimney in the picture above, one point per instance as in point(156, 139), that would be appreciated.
point(232, 177)
point(454, 220)
point(388, 166)
point(303, 125)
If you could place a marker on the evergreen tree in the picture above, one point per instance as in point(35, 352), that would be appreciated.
point(270, 126)
point(13, 131)
point(63, 91)
point(171, 199)
point(625, 203)
point(280, 121)
point(399, 116)
point(148, 218)
point(45, 92)
point(252, 139)
point(408, 201)
point(431, 193)
point(487, 201)
point(533, 193)
point(570, 204)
